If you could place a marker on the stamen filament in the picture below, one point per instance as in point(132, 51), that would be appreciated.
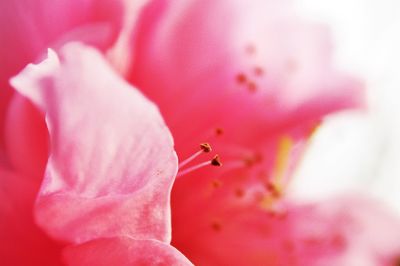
point(191, 158)
point(215, 161)
point(193, 168)
point(204, 147)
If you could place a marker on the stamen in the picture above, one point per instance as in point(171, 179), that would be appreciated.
point(253, 159)
point(216, 183)
point(216, 225)
point(258, 71)
point(241, 78)
point(397, 261)
point(250, 49)
point(204, 148)
point(239, 192)
point(285, 146)
point(266, 203)
point(274, 190)
point(252, 87)
point(193, 168)
point(214, 161)
point(219, 131)
point(339, 241)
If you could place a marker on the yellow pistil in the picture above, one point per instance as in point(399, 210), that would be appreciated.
point(276, 185)
point(282, 160)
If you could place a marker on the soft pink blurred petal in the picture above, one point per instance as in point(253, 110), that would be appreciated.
point(124, 251)
point(30, 27)
point(111, 162)
point(214, 56)
point(26, 138)
point(22, 242)
point(345, 231)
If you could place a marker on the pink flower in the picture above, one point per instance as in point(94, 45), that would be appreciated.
point(253, 80)
point(87, 162)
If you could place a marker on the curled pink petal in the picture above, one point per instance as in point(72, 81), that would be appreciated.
point(124, 251)
point(111, 163)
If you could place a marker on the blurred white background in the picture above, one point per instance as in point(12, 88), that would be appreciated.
point(354, 151)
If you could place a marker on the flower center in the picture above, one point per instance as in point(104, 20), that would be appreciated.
point(252, 173)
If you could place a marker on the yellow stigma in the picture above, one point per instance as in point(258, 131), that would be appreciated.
point(276, 185)
point(282, 159)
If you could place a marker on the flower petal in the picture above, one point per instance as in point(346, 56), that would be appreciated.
point(337, 232)
point(124, 251)
point(351, 230)
point(111, 162)
point(30, 27)
point(213, 56)
point(26, 137)
point(22, 242)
